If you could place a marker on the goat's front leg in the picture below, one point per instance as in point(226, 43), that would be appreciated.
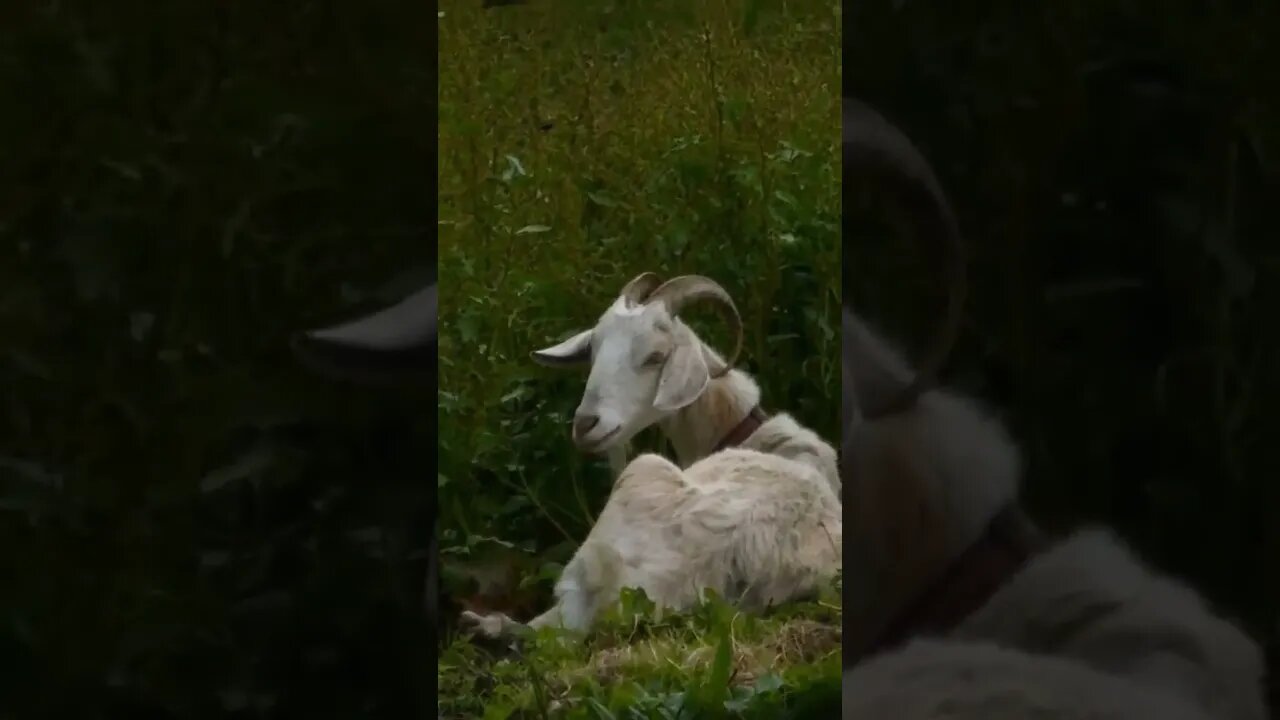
point(498, 625)
point(578, 597)
point(494, 625)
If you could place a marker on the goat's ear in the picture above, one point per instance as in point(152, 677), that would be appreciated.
point(684, 377)
point(396, 343)
point(572, 352)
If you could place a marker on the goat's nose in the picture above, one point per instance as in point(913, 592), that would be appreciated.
point(583, 422)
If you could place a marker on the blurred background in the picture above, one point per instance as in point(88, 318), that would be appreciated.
point(1113, 166)
point(191, 525)
point(580, 145)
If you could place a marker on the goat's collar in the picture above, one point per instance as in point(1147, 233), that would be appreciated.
point(742, 430)
point(1008, 543)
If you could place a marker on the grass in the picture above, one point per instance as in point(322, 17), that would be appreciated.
point(637, 662)
point(581, 144)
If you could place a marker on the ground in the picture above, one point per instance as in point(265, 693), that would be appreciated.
point(712, 661)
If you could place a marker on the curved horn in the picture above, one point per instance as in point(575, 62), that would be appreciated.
point(876, 150)
point(640, 287)
point(678, 292)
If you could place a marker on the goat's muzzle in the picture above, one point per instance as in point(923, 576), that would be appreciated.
point(584, 425)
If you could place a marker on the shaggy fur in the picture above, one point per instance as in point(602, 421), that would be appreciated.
point(931, 680)
point(756, 528)
point(1118, 616)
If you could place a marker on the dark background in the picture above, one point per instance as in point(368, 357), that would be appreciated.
point(191, 525)
point(1113, 166)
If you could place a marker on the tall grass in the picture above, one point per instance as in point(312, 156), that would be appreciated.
point(583, 143)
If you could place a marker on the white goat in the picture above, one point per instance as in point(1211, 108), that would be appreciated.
point(648, 367)
point(758, 522)
point(940, 547)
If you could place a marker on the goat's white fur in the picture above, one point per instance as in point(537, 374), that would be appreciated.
point(755, 528)
point(924, 483)
point(759, 524)
point(940, 680)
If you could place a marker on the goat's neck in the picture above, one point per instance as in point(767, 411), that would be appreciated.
point(696, 429)
point(925, 485)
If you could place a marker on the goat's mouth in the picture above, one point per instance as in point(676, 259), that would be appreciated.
point(599, 444)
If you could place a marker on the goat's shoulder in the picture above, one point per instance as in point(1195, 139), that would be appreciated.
point(783, 436)
point(647, 474)
point(646, 464)
point(783, 431)
point(737, 462)
point(756, 476)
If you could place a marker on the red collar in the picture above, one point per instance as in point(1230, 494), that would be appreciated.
point(1009, 541)
point(743, 429)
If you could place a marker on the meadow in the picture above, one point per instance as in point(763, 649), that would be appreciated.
point(581, 144)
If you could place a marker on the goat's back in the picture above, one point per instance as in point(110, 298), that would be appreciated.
point(752, 526)
point(953, 680)
point(1091, 599)
point(783, 436)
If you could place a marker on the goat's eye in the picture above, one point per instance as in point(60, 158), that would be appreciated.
point(655, 359)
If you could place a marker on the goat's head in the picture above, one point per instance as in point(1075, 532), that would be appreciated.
point(645, 362)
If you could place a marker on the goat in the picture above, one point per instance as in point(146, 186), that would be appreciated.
point(647, 367)
point(756, 528)
point(755, 513)
point(941, 548)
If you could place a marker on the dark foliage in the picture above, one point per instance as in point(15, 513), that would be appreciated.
point(192, 525)
point(1113, 166)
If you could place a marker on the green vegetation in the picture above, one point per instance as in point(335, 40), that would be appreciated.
point(192, 525)
point(580, 144)
point(709, 662)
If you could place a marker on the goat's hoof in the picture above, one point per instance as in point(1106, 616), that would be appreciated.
point(490, 626)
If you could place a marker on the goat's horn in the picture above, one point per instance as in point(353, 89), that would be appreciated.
point(678, 292)
point(877, 150)
point(640, 287)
